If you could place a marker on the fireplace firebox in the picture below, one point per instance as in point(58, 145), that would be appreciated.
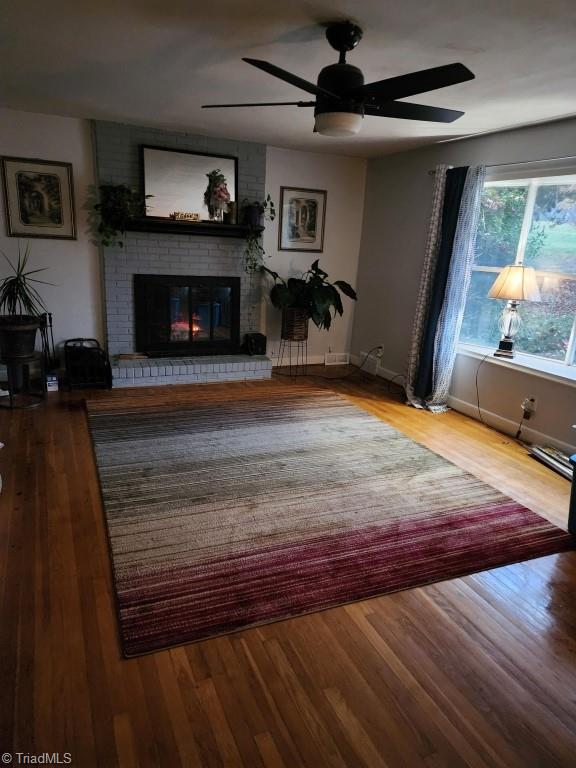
point(185, 315)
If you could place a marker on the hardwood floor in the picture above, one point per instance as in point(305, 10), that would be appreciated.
point(479, 671)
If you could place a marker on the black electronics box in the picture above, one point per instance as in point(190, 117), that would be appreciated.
point(255, 343)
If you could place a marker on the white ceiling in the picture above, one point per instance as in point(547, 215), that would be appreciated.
point(155, 63)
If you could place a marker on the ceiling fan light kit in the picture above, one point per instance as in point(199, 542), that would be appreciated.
point(342, 97)
point(338, 123)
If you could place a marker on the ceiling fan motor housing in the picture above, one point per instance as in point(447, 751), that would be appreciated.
point(340, 79)
point(343, 35)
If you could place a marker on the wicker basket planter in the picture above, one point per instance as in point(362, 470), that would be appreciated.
point(294, 324)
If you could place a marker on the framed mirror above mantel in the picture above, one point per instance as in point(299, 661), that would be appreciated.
point(189, 192)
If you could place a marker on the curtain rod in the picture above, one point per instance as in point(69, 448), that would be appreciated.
point(521, 162)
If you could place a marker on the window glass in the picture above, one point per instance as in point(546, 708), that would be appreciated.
point(480, 324)
point(546, 325)
point(530, 221)
point(552, 239)
point(501, 216)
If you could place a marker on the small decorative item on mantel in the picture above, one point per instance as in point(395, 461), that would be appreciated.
point(216, 196)
point(230, 214)
point(184, 216)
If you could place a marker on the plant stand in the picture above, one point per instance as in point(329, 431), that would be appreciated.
point(21, 395)
point(297, 351)
point(294, 340)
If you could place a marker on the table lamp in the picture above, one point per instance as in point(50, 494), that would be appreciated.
point(515, 283)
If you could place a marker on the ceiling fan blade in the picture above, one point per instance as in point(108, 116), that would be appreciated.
point(416, 82)
point(264, 104)
point(288, 77)
point(406, 111)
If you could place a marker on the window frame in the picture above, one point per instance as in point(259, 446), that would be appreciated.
point(505, 178)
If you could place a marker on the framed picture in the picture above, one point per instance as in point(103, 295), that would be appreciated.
point(302, 213)
point(38, 198)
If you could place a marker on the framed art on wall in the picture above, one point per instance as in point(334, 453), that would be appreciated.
point(302, 214)
point(38, 198)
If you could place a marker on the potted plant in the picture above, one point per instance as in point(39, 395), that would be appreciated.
point(22, 309)
point(117, 206)
point(254, 213)
point(311, 296)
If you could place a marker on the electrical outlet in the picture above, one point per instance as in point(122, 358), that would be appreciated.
point(529, 407)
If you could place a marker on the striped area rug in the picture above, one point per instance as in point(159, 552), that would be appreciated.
point(226, 513)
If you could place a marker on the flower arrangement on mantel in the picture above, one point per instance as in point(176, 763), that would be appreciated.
point(216, 196)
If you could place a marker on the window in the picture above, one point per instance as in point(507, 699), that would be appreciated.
point(533, 221)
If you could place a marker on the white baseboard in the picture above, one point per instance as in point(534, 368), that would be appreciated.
point(508, 426)
point(312, 360)
point(372, 365)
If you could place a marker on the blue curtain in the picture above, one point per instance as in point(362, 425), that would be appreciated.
point(446, 274)
point(455, 179)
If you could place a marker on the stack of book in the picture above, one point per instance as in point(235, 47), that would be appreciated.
point(553, 458)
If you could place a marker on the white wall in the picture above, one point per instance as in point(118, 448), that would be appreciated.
point(72, 265)
point(501, 388)
point(344, 180)
point(398, 198)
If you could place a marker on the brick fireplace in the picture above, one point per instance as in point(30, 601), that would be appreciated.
point(167, 254)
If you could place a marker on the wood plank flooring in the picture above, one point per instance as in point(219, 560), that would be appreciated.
point(479, 671)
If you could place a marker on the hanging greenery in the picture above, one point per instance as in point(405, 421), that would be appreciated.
point(254, 213)
point(116, 206)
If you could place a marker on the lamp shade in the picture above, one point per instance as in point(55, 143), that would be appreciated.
point(338, 123)
point(516, 283)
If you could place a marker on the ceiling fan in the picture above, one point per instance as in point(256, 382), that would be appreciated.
point(342, 98)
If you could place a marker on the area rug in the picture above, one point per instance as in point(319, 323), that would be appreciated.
point(245, 508)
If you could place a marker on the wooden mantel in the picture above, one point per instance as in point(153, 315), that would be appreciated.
point(204, 228)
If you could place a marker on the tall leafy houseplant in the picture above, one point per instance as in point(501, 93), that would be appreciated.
point(313, 295)
point(21, 308)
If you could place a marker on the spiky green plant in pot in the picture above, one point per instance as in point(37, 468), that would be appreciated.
point(21, 308)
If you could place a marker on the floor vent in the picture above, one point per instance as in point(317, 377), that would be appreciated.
point(336, 358)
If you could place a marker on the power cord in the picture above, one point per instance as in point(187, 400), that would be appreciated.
point(519, 429)
point(477, 391)
point(520, 424)
point(347, 375)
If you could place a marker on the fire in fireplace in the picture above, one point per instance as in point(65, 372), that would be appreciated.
point(187, 315)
